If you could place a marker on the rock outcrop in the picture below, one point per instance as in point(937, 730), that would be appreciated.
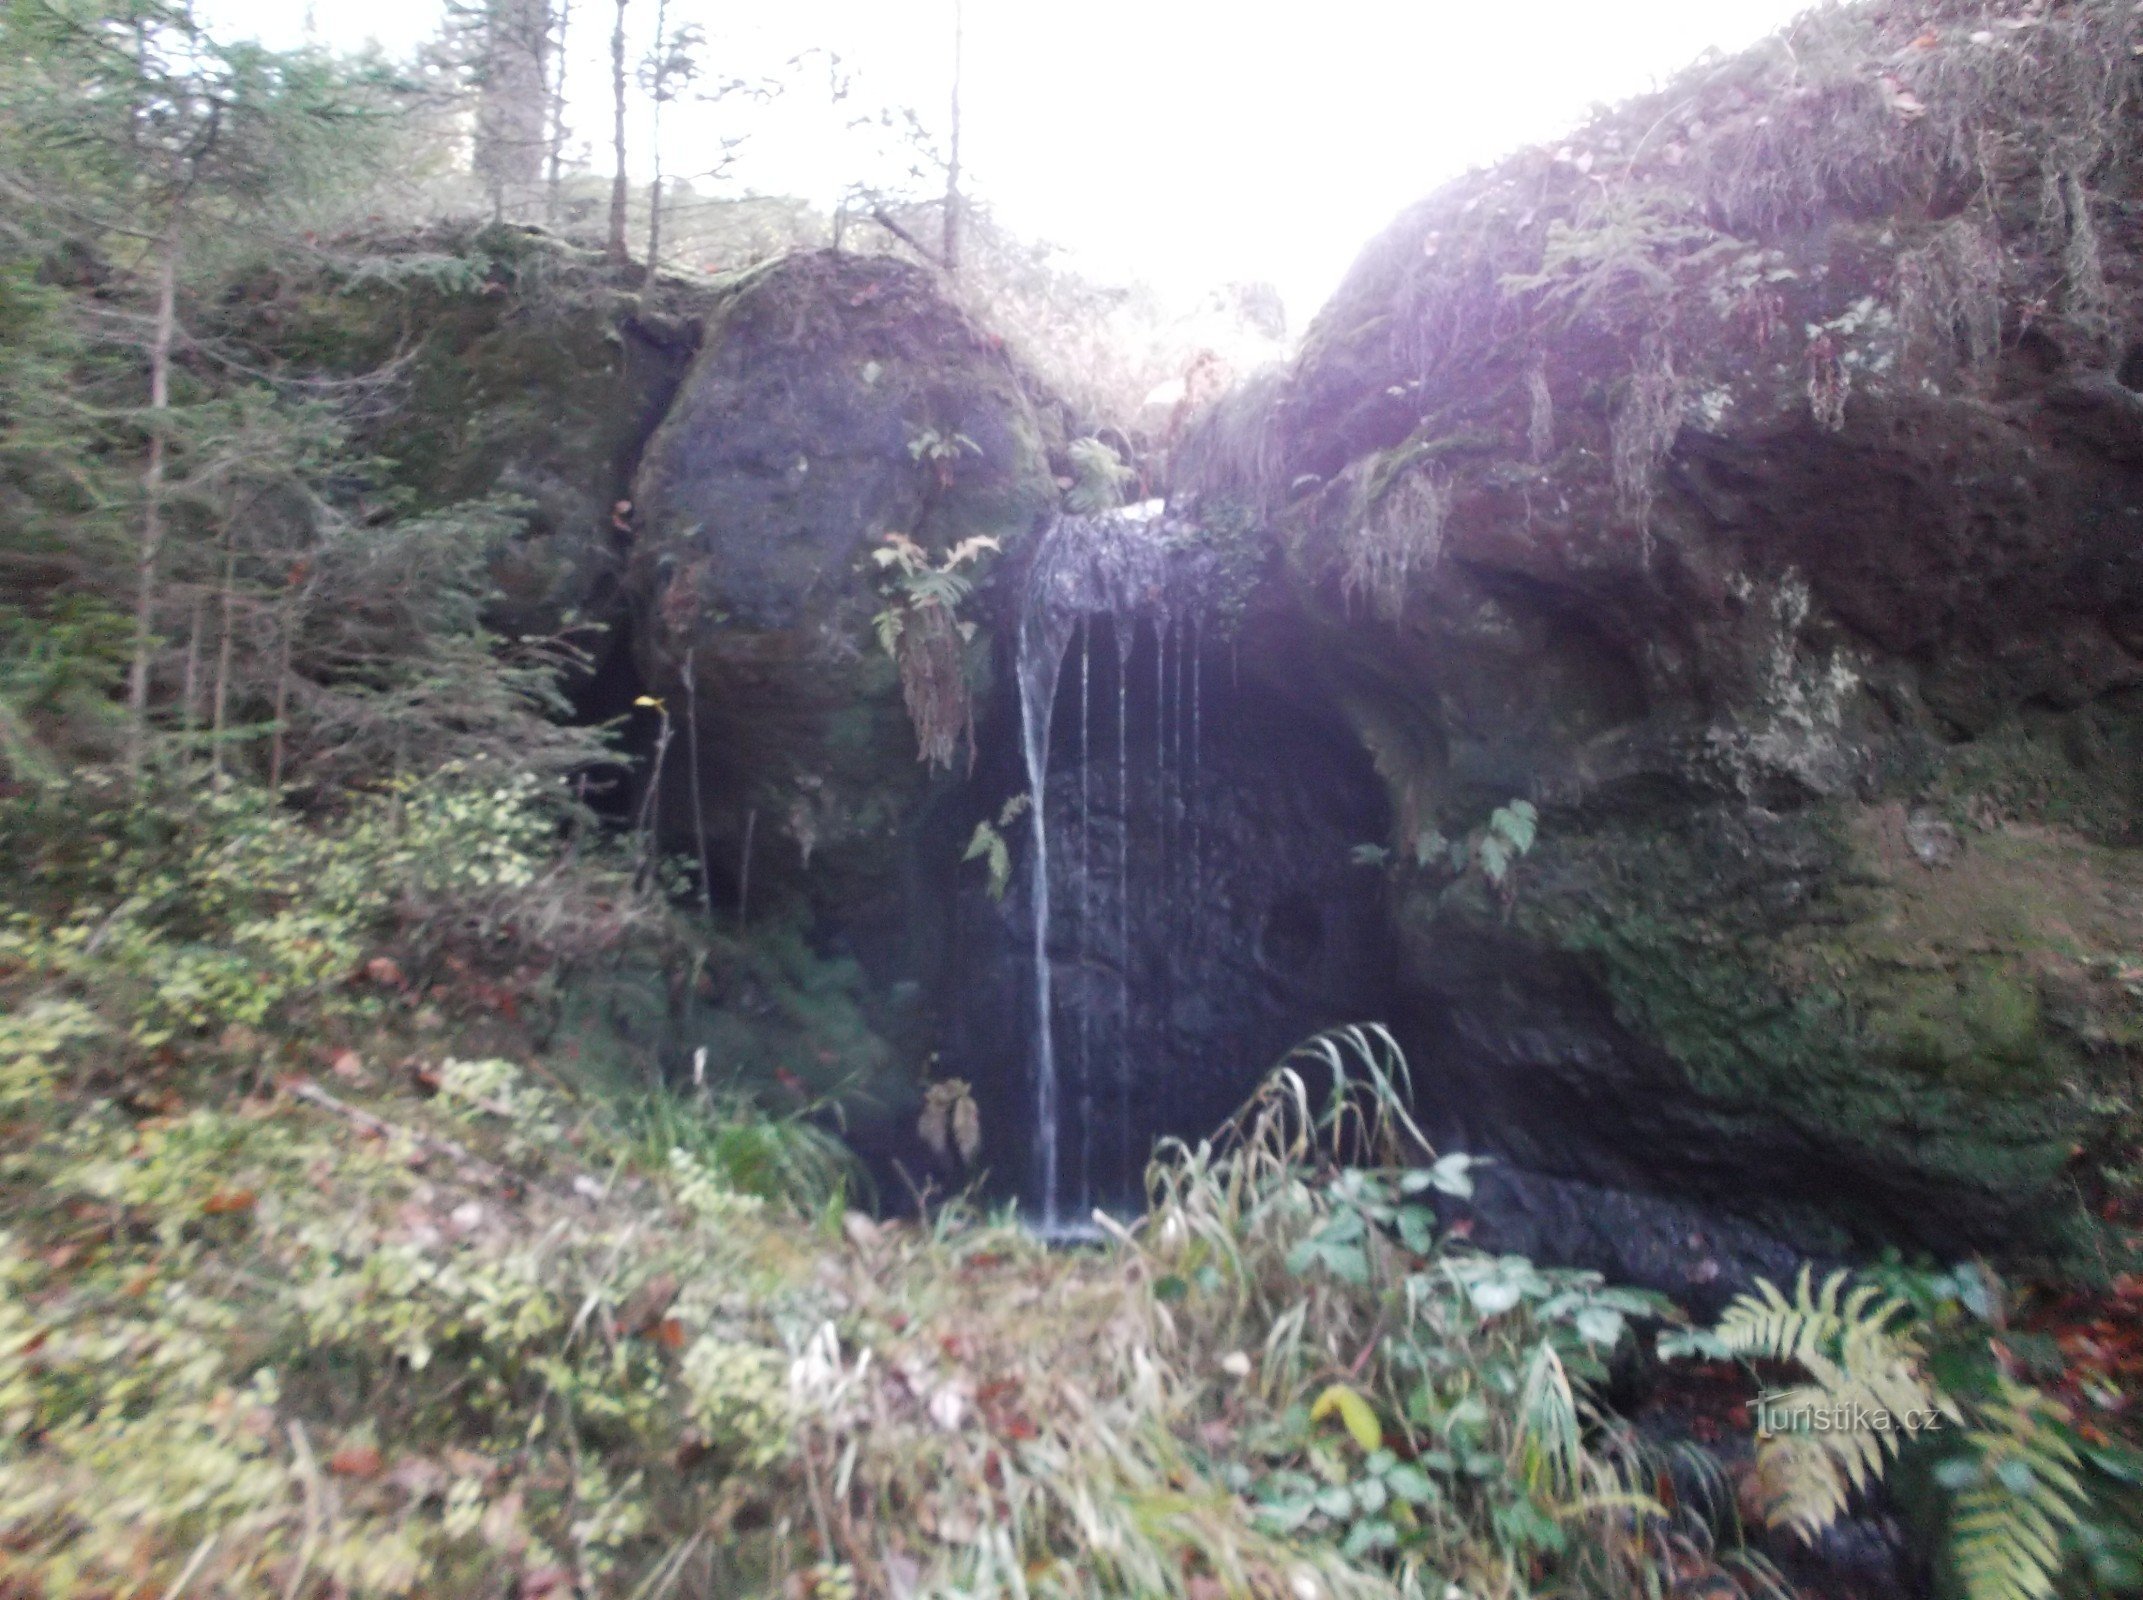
point(835, 400)
point(1755, 483)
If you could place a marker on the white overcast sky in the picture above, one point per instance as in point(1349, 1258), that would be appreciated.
point(1187, 142)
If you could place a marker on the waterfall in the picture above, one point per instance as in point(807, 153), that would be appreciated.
point(1123, 900)
point(1037, 691)
point(1127, 566)
point(1085, 903)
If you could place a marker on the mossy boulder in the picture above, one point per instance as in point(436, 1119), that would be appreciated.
point(496, 361)
point(836, 400)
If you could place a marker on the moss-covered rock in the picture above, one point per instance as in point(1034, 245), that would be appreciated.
point(1754, 483)
point(837, 400)
point(496, 361)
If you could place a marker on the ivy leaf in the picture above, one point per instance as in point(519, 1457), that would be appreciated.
point(1600, 1325)
point(1417, 1229)
point(1365, 1537)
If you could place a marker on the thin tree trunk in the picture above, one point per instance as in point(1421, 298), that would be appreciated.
point(950, 252)
point(553, 203)
point(219, 723)
point(662, 80)
point(190, 696)
point(699, 809)
point(619, 254)
point(282, 696)
point(152, 487)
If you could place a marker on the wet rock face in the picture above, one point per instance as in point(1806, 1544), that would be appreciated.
point(1206, 915)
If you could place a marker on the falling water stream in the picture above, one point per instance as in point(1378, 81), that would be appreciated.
point(1133, 570)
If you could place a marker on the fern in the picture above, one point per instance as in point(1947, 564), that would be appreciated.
point(2015, 1486)
point(2017, 1493)
point(1859, 1362)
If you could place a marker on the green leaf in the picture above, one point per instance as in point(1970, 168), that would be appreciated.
point(1702, 1344)
point(1517, 823)
point(1412, 1485)
point(1366, 1537)
point(1453, 1175)
point(1417, 1229)
point(1355, 1414)
point(1336, 1502)
point(1494, 1296)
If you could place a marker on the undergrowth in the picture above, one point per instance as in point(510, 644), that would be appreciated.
point(307, 1297)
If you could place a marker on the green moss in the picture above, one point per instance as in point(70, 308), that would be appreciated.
point(1979, 1026)
point(1819, 978)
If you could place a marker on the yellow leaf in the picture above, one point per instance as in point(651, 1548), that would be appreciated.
point(1355, 1413)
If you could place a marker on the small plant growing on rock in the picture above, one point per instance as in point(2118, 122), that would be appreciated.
point(1100, 477)
point(1495, 847)
point(1401, 534)
point(988, 844)
point(920, 629)
point(942, 451)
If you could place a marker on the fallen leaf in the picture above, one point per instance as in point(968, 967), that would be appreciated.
point(230, 1202)
point(383, 970)
point(669, 1333)
point(348, 1065)
point(355, 1461)
point(647, 1305)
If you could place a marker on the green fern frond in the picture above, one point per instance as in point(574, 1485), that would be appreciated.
point(1800, 1483)
point(1862, 1366)
point(2022, 1496)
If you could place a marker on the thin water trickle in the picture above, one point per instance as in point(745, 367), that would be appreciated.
point(1085, 904)
point(1126, 566)
point(1197, 745)
point(1037, 687)
point(1160, 810)
point(1122, 633)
